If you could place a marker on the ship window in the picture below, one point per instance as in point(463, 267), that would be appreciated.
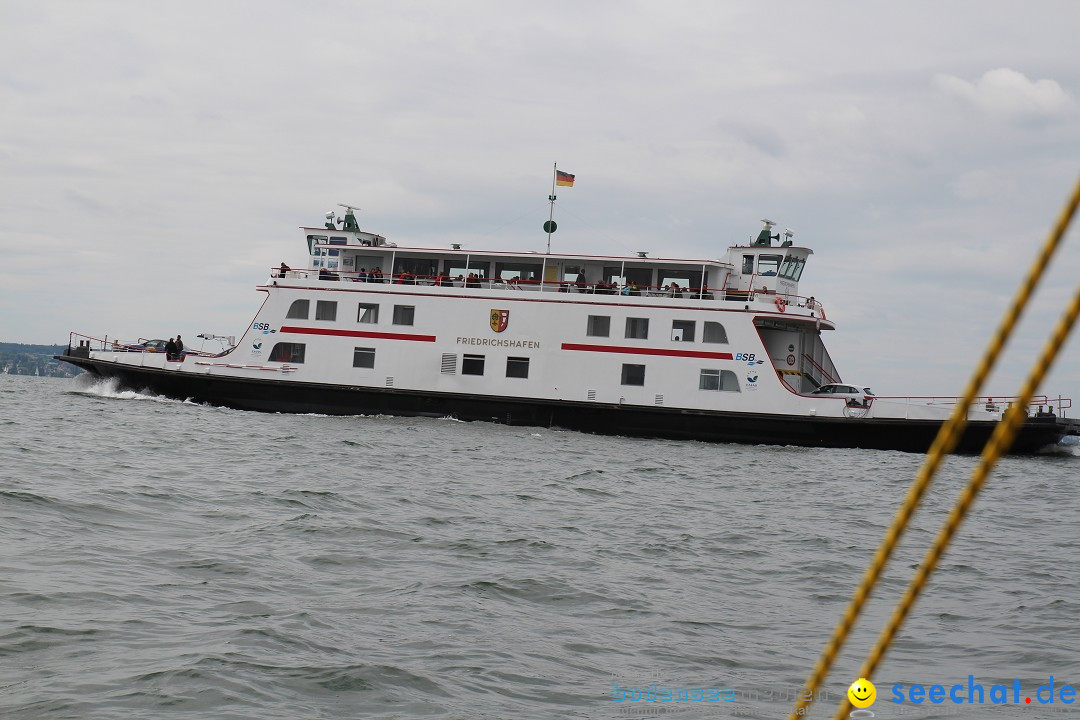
point(767, 265)
point(723, 380)
point(714, 333)
point(403, 314)
point(787, 266)
point(796, 273)
point(517, 367)
point(637, 328)
point(472, 365)
point(287, 352)
point(456, 267)
point(688, 280)
point(611, 273)
point(792, 267)
point(642, 277)
point(747, 264)
point(326, 310)
point(299, 310)
point(683, 330)
point(571, 272)
point(599, 326)
point(528, 272)
point(420, 267)
point(368, 313)
point(363, 357)
point(633, 374)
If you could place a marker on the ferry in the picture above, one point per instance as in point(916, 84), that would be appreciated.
point(725, 349)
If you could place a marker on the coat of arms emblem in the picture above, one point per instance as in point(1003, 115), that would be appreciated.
point(499, 320)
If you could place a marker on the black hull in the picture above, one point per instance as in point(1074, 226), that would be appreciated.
point(287, 396)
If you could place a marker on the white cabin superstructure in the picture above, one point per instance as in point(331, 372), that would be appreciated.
point(693, 334)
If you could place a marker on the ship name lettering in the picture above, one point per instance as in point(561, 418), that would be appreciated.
point(499, 342)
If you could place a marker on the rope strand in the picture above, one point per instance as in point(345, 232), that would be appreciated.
point(943, 444)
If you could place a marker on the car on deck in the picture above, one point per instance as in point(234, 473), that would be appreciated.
point(859, 393)
point(152, 346)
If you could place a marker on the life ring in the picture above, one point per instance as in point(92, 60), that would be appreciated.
point(781, 303)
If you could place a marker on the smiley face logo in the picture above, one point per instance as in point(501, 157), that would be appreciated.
point(862, 693)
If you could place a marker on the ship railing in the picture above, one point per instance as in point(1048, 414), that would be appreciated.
point(1040, 405)
point(759, 295)
point(80, 345)
point(825, 374)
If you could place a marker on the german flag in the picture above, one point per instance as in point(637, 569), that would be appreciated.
point(564, 179)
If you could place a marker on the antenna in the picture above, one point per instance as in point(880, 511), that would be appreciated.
point(349, 222)
point(765, 237)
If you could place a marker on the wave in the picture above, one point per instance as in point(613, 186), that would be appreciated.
point(91, 386)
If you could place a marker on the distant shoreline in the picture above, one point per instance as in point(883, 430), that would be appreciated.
point(26, 359)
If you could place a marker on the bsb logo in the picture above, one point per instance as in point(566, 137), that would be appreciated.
point(499, 320)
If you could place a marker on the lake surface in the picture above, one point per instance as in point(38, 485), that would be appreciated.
point(165, 559)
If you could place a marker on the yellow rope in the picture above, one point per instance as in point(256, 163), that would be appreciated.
point(998, 445)
point(943, 444)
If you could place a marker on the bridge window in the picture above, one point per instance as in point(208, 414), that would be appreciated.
point(368, 313)
point(299, 310)
point(404, 314)
point(795, 272)
point(633, 374)
point(598, 326)
point(517, 367)
point(683, 330)
point(637, 328)
point(363, 357)
point(768, 265)
point(472, 365)
point(326, 310)
point(714, 333)
point(288, 352)
point(722, 380)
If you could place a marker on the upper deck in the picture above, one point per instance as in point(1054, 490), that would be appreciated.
point(760, 273)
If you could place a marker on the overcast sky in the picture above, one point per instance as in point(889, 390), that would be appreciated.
point(156, 159)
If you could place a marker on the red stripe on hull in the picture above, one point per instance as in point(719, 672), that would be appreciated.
point(357, 333)
point(648, 351)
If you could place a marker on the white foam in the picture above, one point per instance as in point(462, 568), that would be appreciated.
point(87, 384)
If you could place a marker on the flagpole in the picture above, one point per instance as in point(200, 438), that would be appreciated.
point(551, 199)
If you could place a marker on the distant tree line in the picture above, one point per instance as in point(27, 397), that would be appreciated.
point(23, 359)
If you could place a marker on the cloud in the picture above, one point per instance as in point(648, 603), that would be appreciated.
point(1008, 93)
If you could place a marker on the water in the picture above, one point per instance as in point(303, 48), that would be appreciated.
point(165, 559)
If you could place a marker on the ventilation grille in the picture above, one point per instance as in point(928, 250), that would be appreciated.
point(659, 400)
point(449, 364)
point(592, 394)
point(390, 381)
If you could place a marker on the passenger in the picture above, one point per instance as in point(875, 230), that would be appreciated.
point(811, 303)
point(376, 275)
point(179, 346)
point(362, 275)
point(283, 269)
point(170, 349)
